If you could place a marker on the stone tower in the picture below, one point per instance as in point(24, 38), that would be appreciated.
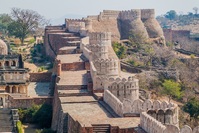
point(100, 44)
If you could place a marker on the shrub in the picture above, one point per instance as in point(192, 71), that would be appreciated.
point(172, 88)
point(119, 50)
point(39, 114)
point(192, 107)
point(31, 41)
point(19, 127)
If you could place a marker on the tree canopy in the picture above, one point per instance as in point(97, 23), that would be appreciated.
point(172, 88)
point(24, 22)
point(192, 107)
point(171, 14)
point(5, 20)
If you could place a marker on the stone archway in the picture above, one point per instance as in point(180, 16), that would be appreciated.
point(6, 63)
point(7, 89)
point(1, 101)
point(14, 89)
point(13, 63)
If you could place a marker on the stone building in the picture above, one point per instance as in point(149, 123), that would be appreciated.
point(91, 93)
point(13, 76)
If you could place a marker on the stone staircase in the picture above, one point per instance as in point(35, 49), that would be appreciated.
point(6, 123)
point(101, 128)
point(108, 109)
point(71, 93)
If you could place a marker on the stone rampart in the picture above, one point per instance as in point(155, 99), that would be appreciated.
point(109, 14)
point(99, 37)
point(138, 105)
point(108, 67)
point(153, 27)
point(124, 88)
point(147, 13)
point(113, 102)
point(130, 14)
point(130, 23)
point(151, 125)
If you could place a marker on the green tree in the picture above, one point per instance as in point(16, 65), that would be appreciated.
point(24, 22)
point(192, 107)
point(171, 15)
point(119, 50)
point(172, 88)
point(5, 20)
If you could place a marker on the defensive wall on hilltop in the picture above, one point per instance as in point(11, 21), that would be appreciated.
point(121, 24)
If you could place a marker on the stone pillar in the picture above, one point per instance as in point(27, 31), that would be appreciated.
point(17, 75)
point(10, 89)
point(16, 63)
point(17, 89)
point(4, 101)
point(26, 90)
point(10, 63)
point(59, 69)
point(2, 63)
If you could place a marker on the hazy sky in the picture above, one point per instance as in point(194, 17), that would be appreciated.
point(53, 9)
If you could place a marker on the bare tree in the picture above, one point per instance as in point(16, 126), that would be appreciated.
point(195, 10)
point(24, 22)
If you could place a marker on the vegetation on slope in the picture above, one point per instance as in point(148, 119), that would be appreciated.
point(37, 114)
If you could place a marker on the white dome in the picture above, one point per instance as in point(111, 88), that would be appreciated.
point(3, 48)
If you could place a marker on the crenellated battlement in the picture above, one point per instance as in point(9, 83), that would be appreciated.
point(147, 13)
point(110, 14)
point(130, 14)
point(100, 36)
point(124, 88)
point(75, 20)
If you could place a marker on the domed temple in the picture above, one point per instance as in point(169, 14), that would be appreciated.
point(3, 48)
point(13, 76)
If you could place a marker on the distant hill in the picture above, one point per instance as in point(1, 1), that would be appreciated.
point(59, 21)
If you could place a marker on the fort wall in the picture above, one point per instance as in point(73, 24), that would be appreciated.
point(100, 37)
point(124, 88)
point(130, 23)
point(151, 125)
point(113, 102)
point(152, 26)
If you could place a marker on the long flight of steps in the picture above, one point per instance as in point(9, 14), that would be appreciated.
point(101, 128)
point(6, 123)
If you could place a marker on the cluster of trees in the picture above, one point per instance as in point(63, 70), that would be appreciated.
point(37, 114)
point(21, 22)
point(172, 14)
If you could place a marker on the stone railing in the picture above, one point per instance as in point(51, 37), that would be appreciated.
point(113, 102)
point(139, 106)
point(151, 125)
